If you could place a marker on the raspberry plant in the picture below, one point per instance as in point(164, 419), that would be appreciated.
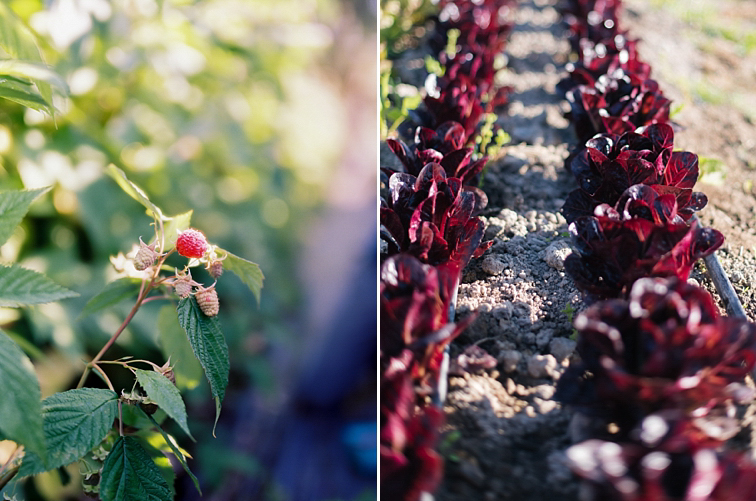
point(105, 429)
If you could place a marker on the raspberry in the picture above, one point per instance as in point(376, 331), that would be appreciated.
point(145, 256)
point(207, 299)
point(191, 243)
point(215, 268)
point(167, 371)
point(183, 286)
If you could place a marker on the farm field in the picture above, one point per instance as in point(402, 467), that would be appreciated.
point(505, 435)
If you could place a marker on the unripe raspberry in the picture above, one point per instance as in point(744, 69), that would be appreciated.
point(167, 371)
point(148, 406)
point(145, 256)
point(215, 268)
point(183, 286)
point(191, 243)
point(207, 299)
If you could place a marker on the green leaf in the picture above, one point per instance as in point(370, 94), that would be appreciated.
point(176, 452)
point(23, 95)
point(13, 207)
point(134, 191)
point(20, 406)
point(209, 347)
point(22, 70)
point(114, 292)
point(160, 457)
point(19, 42)
point(173, 225)
point(75, 421)
point(19, 286)
point(175, 345)
point(165, 394)
point(129, 474)
point(248, 271)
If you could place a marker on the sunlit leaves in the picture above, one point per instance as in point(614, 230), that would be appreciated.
point(248, 271)
point(13, 207)
point(18, 42)
point(134, 191)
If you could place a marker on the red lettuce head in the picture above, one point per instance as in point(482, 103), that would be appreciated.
point(675, 470)
point(611, 163)
point(614, 249)
point(444, 146)
point(432, 217)
point(664, 350)
point(618, 102)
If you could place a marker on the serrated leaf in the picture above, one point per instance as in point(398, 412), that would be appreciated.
point(75, 421)
point(176, 452)
point(19, 42)
point(130, 474)
point(13, 207)
point(248, 271)
point(114, 292)
point(20, 406)
point(134, 191)
point(175, 345)
point(19, 286)
point(209, 347)
point(161, 460)
point(165, 394)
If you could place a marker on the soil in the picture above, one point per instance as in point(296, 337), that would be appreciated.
point(505, 437)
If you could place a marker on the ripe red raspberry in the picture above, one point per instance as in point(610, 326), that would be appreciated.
point(191, 243)
point(207, 299)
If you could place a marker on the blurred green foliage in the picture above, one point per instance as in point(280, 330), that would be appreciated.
point(402, 23)
point(237, 110)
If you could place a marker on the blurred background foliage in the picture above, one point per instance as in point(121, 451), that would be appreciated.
point(257, 115)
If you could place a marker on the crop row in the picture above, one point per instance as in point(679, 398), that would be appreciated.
point(429, 232)
point(660, 371)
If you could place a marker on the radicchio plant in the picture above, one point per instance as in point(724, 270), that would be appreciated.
point(643, 236)
point(618, 102)
point(431, 217)
point(610, 163)
point(415, 301)
point(444, 146)
point(605, 58)
point(677, 469)
point(591, 20)
point(660, 371)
